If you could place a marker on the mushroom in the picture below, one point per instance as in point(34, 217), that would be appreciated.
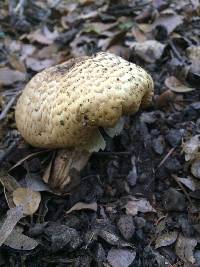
point(64, 106)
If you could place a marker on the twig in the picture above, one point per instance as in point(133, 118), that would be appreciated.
point(166, 157)
point(19, 7)
point(8, 106)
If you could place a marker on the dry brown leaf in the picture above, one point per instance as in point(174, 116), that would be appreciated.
point(16, 63)
point(191, 147)
point(8, 76)
point(195, 168)
point(118, 257)
point(184, 249)
point(27, 50)
point(149, 51)
point(120, 51)
point(38, 65)
point(85, 2)
point(135, 205)
point(166, 239)
point(19, 241)
point(114, 37)
point(28, 199)
point(177, 86)
point(13, 217)
point(98, 27)
point(83, 206)
point(165, 98)
point(43, 36)
point(189, 183)
point(47, 52)
point(169, 20)
point(138, 34)
point(193, 53)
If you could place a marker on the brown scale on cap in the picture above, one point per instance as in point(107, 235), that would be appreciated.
point(63, 106)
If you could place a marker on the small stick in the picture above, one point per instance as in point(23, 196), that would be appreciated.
point(19, 7)
point(8, 106)
point(166, 157)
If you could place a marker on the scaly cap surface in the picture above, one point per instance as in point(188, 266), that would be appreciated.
point(63, 106)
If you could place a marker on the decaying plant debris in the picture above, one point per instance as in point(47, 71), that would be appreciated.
point(137, 202)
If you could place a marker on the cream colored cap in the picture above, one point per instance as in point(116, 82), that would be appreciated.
point(63, 106)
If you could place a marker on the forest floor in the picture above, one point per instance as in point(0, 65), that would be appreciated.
point(138, 202)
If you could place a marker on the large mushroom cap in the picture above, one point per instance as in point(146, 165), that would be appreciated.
point(63, 106)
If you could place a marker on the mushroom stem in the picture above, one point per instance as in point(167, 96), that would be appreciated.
point(63, 171)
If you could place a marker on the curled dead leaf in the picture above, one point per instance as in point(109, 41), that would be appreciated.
point(191, 147)
point(83, 206)
point(8, 76)
point(166, 239)
point(177, 86)
point(149, 51)
point(195, 168)
point(184, 249)
point(135, 205)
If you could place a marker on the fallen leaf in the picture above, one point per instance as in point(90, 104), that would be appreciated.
point(165, 98)
point(169, 20)
point(28, 199)
point(27, 50)
point(193, 53)
point(195, 168)
point(89, 15)
point(43, 36)
point(113, 239)
point(191, 147)
point(85, 2)
point(8, 76)
point(149, 51)
point(19, 241)
point(188, 182)
point(184, 248)
point(120, 50)
point(120, 257)
point(166, 239)
point(47, 52)
point(98, 27)
point(114, 37)
point(38, 65)
point(138, 34)
point(13, 217)
point(177, 86)
point(135, 205)
point(83, 206)
point(16, 63)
